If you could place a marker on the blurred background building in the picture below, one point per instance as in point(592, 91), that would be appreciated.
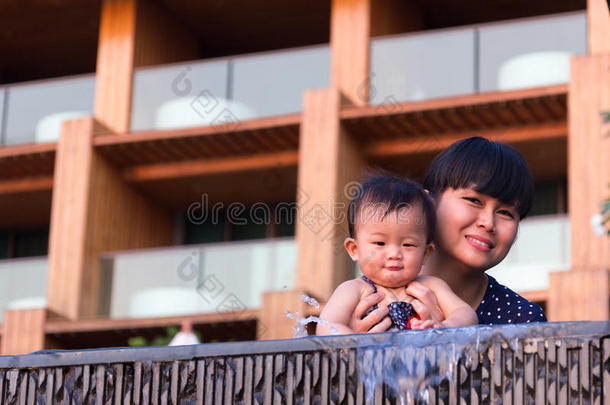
point(185, 162)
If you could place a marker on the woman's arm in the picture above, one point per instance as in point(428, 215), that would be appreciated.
point(457, 312)
point(424, 302)
point(376, 321)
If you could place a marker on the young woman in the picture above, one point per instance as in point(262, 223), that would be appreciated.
point(482, 189)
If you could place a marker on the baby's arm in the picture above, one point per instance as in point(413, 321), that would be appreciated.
point(339, 308)
point(456, 311)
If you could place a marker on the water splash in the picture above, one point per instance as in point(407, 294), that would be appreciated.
point(310, 300)
point(300, 329)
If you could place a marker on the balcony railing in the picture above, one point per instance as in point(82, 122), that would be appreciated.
point(195, 279)
point(23, 284)
point(34, 111)
point(212, 92)
point(542, 246)
point(500, 56)
point(555, 363)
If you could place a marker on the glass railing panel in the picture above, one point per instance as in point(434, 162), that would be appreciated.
point(542, 246)
point(2, 96)
point(34, 111)
point(178, 96)
point(23, 284)
point(420, 66)
point(530, 53)
point(273, 83)
point(221, 277)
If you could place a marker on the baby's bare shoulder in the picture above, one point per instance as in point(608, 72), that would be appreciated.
point(434, 283)
point(354, 286)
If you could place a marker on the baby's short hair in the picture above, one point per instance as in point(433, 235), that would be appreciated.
point(491, 168)
point(392, 193)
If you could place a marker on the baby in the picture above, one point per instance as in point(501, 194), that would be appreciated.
point(391, 224)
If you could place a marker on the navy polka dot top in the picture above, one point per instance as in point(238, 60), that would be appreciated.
point(501, 305)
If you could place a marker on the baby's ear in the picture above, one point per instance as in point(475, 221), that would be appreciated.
point(352, 248)
point(429, 250)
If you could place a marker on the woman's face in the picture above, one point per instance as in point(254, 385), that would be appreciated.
point(474, 229)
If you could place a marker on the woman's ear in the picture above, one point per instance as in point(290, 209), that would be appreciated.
point(428, 252)
point(352, 248)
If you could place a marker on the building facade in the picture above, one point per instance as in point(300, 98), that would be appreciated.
point(168, 162)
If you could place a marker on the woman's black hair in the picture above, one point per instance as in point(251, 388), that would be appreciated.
point(391, 193)
point(491, 168)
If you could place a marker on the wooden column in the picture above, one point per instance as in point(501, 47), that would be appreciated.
point(598, 24)
point(353, 22)
point(133, 33)
point(579, 296)
point(350, 26)
point(273, 322)
point(93, 211)
point(23, 331)
point(328, 162)
point(576, 295)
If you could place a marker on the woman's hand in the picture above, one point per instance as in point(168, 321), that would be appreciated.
point(369, 323)
point(424, 302)
point(427, 324)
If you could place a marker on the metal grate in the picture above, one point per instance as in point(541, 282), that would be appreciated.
point(557, 363)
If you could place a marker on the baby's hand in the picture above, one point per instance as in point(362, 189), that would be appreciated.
point(425, 324)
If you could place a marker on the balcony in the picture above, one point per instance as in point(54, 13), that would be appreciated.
point(198, 279)
point(23, 284)
point(32, 112)
point(533, 52)
point(226, 90)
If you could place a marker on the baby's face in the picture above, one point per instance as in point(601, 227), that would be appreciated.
point(390, 249)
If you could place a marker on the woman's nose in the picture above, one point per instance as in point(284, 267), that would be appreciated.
point(486, 220)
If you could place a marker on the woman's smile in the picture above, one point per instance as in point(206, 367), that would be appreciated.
point(480, 242)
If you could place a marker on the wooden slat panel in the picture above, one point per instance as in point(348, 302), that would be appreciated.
point(93, 211)
point(69, 217)
point(119, 218)
point(292, 121)
point(161, 38)
point(23, 331)
point(209, 166)
point(101, 324)
point(395, 17)
point(579, 295)
point(328, 160)
point(27, 184)
point(598, 24)
point(588, 162)
point(349, 48)
point(470, 101)
point(30, 149)
point(423, 144)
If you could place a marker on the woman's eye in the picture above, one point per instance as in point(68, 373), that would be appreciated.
point(380, 243)
point(506, 213)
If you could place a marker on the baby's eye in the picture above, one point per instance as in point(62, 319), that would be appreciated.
point(408, 245)
point(379, 243)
